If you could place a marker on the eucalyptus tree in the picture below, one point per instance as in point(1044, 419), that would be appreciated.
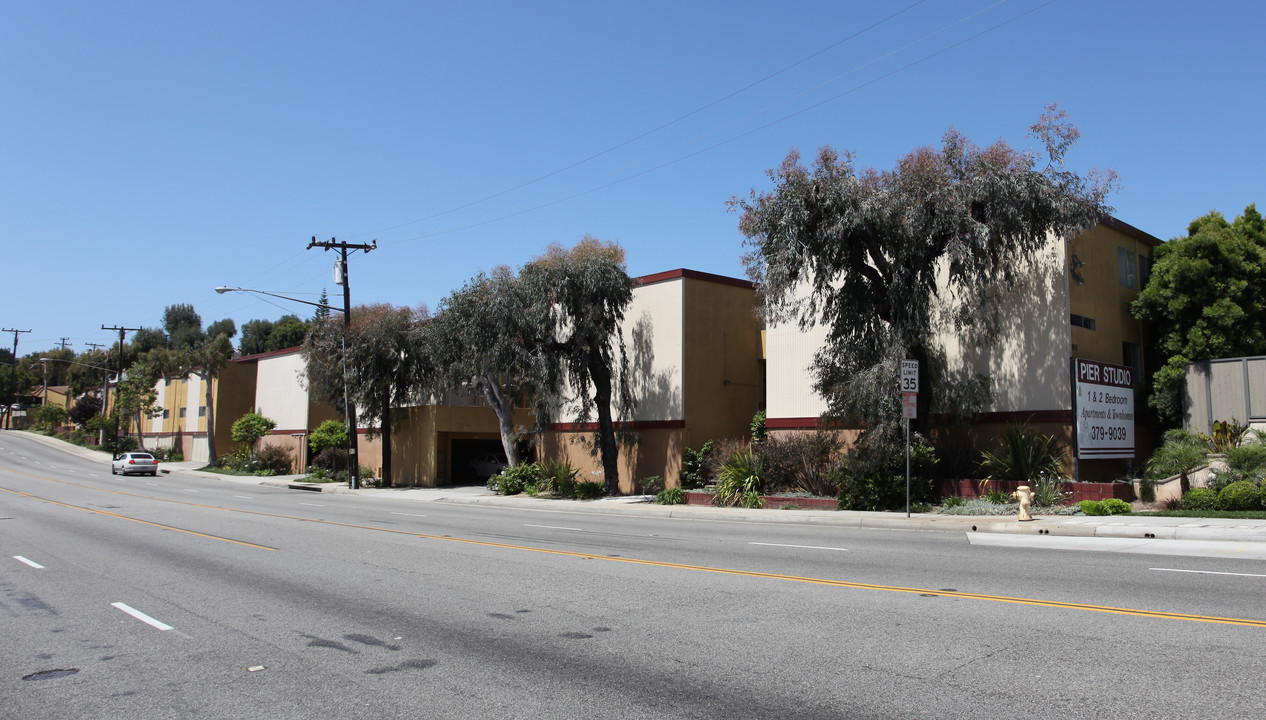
point(484, 340)
point(579, 296)
point(871, 254)
point(380, 361)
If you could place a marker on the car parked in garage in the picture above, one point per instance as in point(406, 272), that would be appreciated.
point(134, 463)
point(486, 465)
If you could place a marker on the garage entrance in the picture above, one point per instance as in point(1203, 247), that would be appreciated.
point(469, 454)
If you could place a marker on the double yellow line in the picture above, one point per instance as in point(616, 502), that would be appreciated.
point(1084, 607)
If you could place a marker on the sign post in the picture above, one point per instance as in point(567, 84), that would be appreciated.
point(909, 410)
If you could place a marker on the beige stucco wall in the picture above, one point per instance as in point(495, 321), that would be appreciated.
point(279, 392)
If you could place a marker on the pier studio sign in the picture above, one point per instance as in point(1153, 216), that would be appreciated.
point(1104, 409)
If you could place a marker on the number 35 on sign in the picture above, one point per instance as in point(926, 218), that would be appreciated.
point(909, 376)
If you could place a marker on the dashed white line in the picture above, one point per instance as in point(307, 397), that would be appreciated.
point(188, 490)
point(1206, 572)
point(409, 514)
point(244, 497)
point(312, 504)
point(805, 547)
point(556, 527)
point(32, 563)
point(142, 616)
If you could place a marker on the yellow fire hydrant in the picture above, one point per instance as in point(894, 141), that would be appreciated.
point(1025, 496)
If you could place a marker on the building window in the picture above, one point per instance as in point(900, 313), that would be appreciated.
point(1132, 357)
point(202, 411)
point(182, 412)
point(1127, 269)
point(166, 413)
point(1081, 321)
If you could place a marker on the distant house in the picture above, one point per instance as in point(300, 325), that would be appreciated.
point(278, 391)
point(1074, 305)
point(181, 424)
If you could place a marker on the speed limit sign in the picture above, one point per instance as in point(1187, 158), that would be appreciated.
point(909, 376)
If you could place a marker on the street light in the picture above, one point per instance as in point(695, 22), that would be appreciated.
point(349, 410)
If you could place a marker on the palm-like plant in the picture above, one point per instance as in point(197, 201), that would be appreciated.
point(1023, 455)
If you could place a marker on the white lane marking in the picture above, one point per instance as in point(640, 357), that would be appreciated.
point(244, 497)
point(556, 527)
point(32, 563)
point(142, 616)
point(154, 484)
point(1251, 550)
point(409, 514)
point(806, 547)
point(188, 490)
point(1206, 572)
point(312, 504)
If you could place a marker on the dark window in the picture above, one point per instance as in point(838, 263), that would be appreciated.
point(182, 412)
point(202, 411)
point(1132, 357)
point(1127, 270)
point(1081, 321)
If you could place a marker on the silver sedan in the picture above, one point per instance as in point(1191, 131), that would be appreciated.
point(134, 463)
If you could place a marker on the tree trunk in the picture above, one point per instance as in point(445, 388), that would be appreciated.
point(385, 422)
point(503, 406)
point(140, 434)
point(211, 423)
point(601, 376)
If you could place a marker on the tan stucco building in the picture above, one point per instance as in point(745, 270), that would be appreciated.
point(1074, 304)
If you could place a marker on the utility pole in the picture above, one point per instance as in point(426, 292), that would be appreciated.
point(105, 390)
point(64, 342)
point(340, 278)
point(105, 401)
point(13, 379)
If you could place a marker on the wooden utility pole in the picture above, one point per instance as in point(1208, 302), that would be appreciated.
point(13, 379)
point(340, 277)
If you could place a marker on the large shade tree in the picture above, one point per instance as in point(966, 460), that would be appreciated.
point(1204, 300)
point(485, 340)
point(386, 364)
point(578, 296)
point(875, 255)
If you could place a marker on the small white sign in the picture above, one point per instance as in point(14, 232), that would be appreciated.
point(909, 406)
point(909, 376)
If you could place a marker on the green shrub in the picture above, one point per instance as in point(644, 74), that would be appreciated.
point(329, 434)
point(1147, 490)
point(589, 490)
point(694, 466)
point(238, 460)
point(1117, 506)
point(251, 427)
point(739, 475)
point(1093, 507)
point(50, 417)
point(953, 501)
point(514, 480)
point(789, 506)
point(650, 485)
point(873, 475)
point(331, 458)
point(758, 429)
point(751, 501)
point(1200, 499)
point(671, 496)
point(1244, 462)
point(1242, 495)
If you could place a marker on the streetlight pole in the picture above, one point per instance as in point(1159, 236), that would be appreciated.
point(349, 412)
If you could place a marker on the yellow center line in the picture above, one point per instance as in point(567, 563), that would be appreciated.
point(1085, 607)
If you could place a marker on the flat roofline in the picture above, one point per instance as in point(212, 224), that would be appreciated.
point(1122, 226)
point(272, 353)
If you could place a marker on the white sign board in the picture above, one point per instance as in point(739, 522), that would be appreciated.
point(1105, 410)
point(909, 406)
point(909, 376)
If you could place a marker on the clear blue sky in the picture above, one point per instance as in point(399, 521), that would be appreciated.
point(155, 150)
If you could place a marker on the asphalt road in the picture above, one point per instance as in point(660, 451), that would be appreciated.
point(181, 596)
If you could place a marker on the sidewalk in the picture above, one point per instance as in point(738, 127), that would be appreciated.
point(1118, 526)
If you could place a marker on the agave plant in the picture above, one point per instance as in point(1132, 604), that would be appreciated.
point(1023, 455)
